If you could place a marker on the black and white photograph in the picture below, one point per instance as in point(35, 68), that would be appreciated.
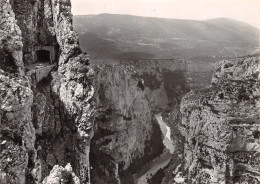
point(129, 91)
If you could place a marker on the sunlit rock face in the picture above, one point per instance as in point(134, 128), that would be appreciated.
point(61, 119)
point(47, 122)
point(71, 94)
point(62, 175)
point(17, 133)
point(123, 120)
point(220, 125)
point(167, 80)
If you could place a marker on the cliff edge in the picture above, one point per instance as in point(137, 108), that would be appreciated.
point(221, 125)
point(46, 93)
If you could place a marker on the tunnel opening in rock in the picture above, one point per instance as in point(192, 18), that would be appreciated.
point(43, 56)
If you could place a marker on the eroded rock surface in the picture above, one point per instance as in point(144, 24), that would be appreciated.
point(126, 110)
point(123, 121)
point(220, 125)
point(17, 134)
point(52, 127)
point(165, 81)
point(10, 41)
point(62, 175)
point(48, 122)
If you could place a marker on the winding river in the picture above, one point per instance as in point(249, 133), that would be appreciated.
point(160, 162)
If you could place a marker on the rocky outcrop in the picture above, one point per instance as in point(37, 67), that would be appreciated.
point(10, 41)
point(53, 126)
point(17, 134)
point(167, 80)
point(44, 122)
point(35, 19)
point(163, 83)
point(220, 125)
point(123, 120)
point(62, 175)
point(61, 108)
point(125, 109)
point(73, 92)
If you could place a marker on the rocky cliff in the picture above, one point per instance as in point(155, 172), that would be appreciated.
point(129, 94)
point(123, 113)
point(50, 111)
point(221, 126)
point(10, 41)
point(122, 124)
point(67, 121)
point(167, 80)
point(48, 122)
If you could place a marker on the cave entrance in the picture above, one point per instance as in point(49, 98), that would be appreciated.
point(43, 56)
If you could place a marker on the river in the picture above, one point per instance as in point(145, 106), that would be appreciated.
point(160, 162)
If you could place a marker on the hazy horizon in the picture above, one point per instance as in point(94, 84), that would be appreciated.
point(247, 11)
point(170, 18)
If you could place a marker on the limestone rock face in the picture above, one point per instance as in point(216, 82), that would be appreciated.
point(166, 81)
point(124, 105)
point(55, 113)
point(71, 87)
point(17, 134)
point(128, 95)
point(62, 175)
point(15, 95)
point(49, 123)
point(10, 40)
point(123, 119)
point(221, 125)
point(75, 94)
point(35, 20)
point(74, 85)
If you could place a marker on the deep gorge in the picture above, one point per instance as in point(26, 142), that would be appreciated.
point(67, 119)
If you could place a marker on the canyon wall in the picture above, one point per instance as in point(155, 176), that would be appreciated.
point(128, 95)
point(17, 134)
point(126, 112)
point(11, 45)
point(48, 122)
point(167, 80)
point(35, 19)
point(220, 125)
point(82, 123)
point(122, 124)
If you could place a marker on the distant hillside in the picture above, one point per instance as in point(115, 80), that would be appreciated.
point(108, 36)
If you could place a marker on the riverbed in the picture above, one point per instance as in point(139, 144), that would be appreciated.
point(166, 131)
point(160, 162)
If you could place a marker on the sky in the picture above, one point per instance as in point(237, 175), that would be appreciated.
point(243, 10)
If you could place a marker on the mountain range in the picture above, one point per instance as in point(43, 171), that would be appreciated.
point(114, 36)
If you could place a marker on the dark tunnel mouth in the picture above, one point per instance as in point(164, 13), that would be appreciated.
point(43, 56)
